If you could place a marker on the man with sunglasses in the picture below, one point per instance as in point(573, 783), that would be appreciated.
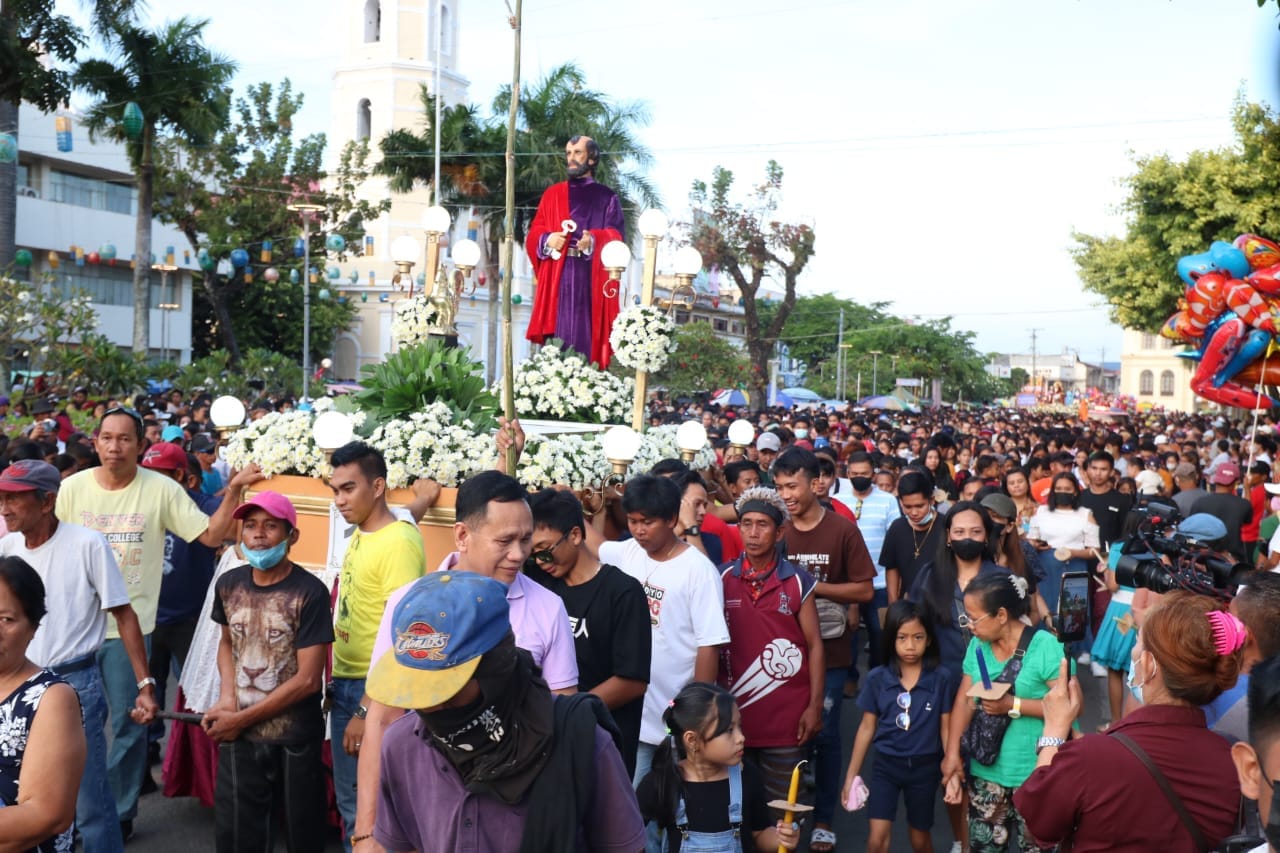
point(607, 609)
point(134, 507)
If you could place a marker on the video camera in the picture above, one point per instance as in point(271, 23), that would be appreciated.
point(1160, 558)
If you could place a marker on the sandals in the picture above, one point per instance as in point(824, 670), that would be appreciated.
point(822, 841)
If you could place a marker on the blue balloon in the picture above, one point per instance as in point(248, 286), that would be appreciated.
point(1227, 257)
point(1251, 348)
point(1191, 267)
point(239, 258)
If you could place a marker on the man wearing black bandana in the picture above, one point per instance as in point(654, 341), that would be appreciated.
point(1258, 761)
point(490, 761)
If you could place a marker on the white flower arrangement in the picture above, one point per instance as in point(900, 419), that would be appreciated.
point(429, 444)
point(642, 338)
point(576, 461)
point(411, 320)
point(280, 443)
point(561, 385)
point(658, 443)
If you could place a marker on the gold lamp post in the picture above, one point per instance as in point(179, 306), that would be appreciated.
point(404, 254)
point(691, 437)
point(446, 290)
point(227, 413)
point(615, 256)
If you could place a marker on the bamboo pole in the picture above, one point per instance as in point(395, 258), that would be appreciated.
point(509, 242)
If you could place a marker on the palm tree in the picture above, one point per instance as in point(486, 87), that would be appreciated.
point(182, 87)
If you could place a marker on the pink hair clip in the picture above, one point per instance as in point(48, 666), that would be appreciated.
point(1228, 632)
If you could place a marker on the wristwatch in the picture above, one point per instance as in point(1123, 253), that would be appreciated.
point(692, 530)
point(1016, 711)
point(148, 681)
point(360, 712)
point(1045, 742)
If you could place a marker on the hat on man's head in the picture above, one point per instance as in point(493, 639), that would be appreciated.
point(273, 504)
point(441, 628)
point(202, 442)
point(1001, 504)
point(1185, 471)
point(1225, 474)
point(41, 407)
point(29, 475)
point(4, 401)
point(165, 457)
point(769, 441)
point(1202, 527)
point(173, 432)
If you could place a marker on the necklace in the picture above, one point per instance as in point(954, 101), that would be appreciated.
point(917, 544)
point(654, 565)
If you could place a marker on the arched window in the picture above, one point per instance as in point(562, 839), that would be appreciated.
point(364, 119)
point(1146, 382)
point(372, 21)
point(446, 31)
point(1166, 383)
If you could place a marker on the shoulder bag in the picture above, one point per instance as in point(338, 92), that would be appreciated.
point(981, 740)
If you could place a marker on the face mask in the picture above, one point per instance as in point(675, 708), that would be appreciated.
point(924, 521)
point(1171, 465)
point(967, 549)
point(1135, 690)
point(265, 559)
point(1063, 499)
point(860, 484)
point(802, 433)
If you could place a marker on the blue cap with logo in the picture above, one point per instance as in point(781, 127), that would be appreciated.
point(440, 629)
point(1202, 527)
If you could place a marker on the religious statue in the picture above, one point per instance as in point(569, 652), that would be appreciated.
point(575, 219)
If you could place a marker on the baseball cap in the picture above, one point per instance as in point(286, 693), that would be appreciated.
point(165, 457)
point(1226, 474)
point(1203, 527)
point(768, 441)
point(1001, 504)
point(28, 475)
point(1272, 488)
point(441, 628)
point(274, 504)
point(172, 432)
point(4, 401)
point(1184, 471)
point(202, 442)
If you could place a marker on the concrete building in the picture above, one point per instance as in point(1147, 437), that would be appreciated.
point(80, 204)
point(1052, 368)
point(1152, 372)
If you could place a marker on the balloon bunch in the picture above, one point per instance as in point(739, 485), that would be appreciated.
point(1228, 312)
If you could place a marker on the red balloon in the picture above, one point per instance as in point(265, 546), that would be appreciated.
point(93, 257)
point(1259, 251)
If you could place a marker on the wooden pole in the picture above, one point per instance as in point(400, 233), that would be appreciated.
point(509, 242)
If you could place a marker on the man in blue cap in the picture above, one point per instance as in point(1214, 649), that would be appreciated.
point(490, 760)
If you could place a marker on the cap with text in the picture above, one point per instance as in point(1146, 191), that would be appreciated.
point(165, 457)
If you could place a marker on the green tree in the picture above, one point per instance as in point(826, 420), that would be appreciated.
point(234, 194)
point(48, 323)
point(473, 156)
point(1017, 378)
point(1177, 208)
point(704, 361)
point(181, 87)
point(747, 243)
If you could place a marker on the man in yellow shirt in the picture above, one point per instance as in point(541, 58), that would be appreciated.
point(384, 554)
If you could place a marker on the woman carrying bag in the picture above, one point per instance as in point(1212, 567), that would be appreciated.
point(998, 735)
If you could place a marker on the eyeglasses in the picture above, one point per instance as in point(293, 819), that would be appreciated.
point(964, 621)
point(546, 555)
point(903, 720)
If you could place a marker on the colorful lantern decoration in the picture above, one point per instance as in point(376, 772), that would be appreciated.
point(54, 260)
point(265, 254)
point(205, 260)
point(323, 294)
point(22, 257)
point(239, 258)
point(299, 247)
point(248, 275)
point(271, 275)
point(516, 299)
point(132, 120)
point(170, 256)
point(62, 132)
point(93, 258)
point(334, 273)
point(107, 251)
point(368, 243)
point(355, 276)
point(364, 297)
point(294, 277)
point(373, 278)
point(186, 257)
point(8, 148)
point(335, 243)
point(79, 254)
point(313, 275)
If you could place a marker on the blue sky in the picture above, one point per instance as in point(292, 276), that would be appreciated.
point(943, 151)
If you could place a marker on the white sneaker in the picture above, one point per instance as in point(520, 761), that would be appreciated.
point(1098, 670)
point(1084, 659)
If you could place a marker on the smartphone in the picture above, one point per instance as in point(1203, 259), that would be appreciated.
point(1073, 607)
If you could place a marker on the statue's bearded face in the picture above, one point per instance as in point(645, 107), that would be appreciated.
point(577, 160)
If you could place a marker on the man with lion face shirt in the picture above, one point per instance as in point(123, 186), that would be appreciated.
point(268, 721)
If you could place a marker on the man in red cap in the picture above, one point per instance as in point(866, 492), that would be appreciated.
point(268, 721)
point(82, 584)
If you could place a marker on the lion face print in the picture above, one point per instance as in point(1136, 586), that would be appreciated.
point(262, 628)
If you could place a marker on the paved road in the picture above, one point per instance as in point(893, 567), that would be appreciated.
point(166, 825)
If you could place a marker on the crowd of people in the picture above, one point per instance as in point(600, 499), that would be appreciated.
point(650, 671)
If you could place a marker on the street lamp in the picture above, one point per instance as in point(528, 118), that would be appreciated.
point(331, 430)
point(404, 254)
point(307, 211)
point(614, 257)
point(446, 291)
point(741, 434)
point(688, 263)
point(653, 225)
point(166, 307)
point(620, 445)
point(435, 221)
point(875, 366)
point(227, 413)
point(842, 369)
point(691, 436)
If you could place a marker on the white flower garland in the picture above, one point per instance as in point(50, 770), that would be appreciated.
point(658, 443)
point(282, 443)
point(642, 338)
point(429, 444)
point(561, 385)
point(576, 461)
point(411, 320)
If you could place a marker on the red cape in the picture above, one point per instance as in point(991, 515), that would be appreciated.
point(553, 209)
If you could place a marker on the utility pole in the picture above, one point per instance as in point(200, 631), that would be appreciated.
point(1034, 381)
point(840, 358)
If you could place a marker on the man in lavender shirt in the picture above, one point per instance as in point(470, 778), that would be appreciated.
point(490, 760)
point(494, 535)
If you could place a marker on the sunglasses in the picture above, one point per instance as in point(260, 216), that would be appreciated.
point(121, 410)
point(546, 555)
point(903, 720)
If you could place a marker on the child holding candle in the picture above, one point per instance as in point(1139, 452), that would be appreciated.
point(699, 790)
point(906, 709)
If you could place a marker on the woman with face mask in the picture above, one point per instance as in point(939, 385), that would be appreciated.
point(1065, 533)
point(1097, 792)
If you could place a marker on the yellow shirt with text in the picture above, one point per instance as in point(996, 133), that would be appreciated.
point(376, 565)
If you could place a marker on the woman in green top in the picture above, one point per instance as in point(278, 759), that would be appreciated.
point(995, 612)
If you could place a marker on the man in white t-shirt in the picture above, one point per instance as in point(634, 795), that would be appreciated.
point(686, 601)
point(82, 585)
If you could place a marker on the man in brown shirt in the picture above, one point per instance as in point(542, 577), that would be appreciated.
point(832, 550)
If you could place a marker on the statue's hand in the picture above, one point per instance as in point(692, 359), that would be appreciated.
point(555, 243)
point(585, 242)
